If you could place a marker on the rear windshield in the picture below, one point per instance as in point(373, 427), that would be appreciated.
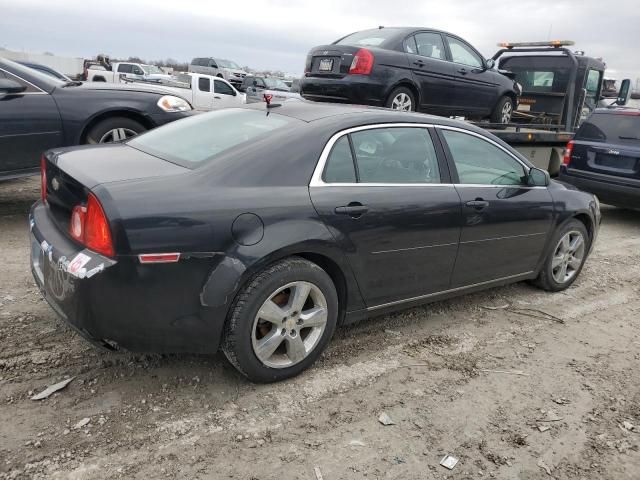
point(368, 38)
point(611, 128)
point(198, 140)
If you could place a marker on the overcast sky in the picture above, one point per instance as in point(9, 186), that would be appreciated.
point(277, 34)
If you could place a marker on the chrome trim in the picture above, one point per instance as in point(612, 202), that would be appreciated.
point(41, 92)
point(504, 238)
point(316, 178)
point(414, 248)
point(452, 290)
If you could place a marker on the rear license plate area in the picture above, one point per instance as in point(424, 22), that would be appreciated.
point(326, 65)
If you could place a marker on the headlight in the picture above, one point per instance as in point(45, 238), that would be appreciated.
point(169, 103)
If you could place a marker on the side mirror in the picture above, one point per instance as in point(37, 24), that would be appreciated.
point(625, 92)
point(538, 178)
point(10, 87)
point(489, 64)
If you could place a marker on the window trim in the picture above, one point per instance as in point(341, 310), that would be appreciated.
point(39, 92)
point(445, 46)
point(447, 36)
point(317, 180)
point(454, 170)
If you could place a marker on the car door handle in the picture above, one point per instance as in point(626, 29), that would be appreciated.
point(478, 204)
point(216, 96)
point(354, 209)
point(463, 71)
point(419, 63)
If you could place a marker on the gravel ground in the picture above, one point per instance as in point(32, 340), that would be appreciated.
point(514, 382)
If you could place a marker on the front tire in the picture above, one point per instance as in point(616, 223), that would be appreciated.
point(503, 110)
point(114, 129)
point(280, 323)
point(564, 261)
point(401, 98)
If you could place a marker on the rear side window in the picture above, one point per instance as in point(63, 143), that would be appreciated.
point(430, 45)
point(340, 168)
point(611, 128)
point(204, 84)
point(200, 139)
point(125, 68)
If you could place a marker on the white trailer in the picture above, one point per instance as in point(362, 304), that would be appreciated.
point(70, 66)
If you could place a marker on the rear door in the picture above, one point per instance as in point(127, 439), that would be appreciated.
point(607, 146)
point(203, 94)
point(505, 222)
point(29, 124)
point(387, 197)
point(477, 86)
point(430, 69)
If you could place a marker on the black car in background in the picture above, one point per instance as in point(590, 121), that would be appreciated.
point(48, 70)
point(604, 157)
point(261, 229)
point(414, 69)
point(39, 112)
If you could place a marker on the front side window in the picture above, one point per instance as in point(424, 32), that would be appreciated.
point(463, 53)
point(10, 76)
point(385, 155)
point(222, 88)
point(430, 45)
point(479, 162)
point(204, 84)
point(125, 68)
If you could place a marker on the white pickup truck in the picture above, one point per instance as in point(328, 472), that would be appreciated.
point(204, 92)
point(126, 71)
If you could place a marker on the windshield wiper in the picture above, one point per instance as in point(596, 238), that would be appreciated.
point(628, 138)
point(72, 83)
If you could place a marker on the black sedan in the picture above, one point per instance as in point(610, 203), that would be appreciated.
point(39, 112)
point(410, 69)
point(261, 229)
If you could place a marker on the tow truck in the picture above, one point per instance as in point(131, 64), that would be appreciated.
point(560, 88)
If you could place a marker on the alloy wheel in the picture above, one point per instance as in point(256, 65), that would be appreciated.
point(402, 102)
point(568, 257)
point(117, 135)
point(507, 110)
point(289, 324)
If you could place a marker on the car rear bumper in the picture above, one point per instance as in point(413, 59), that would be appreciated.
point(121, 304)
point(357, 89)
point(607, 190)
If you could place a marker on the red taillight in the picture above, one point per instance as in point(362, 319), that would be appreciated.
point(568, 150)
point(362, 63)
point(43, 179)
point(89, 226)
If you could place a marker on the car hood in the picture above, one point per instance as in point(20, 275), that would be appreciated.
point(128, 87)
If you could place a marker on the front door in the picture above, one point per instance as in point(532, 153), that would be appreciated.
point(431, 70)
point(389, 202)
point(29, 124)
point(505, 223)
point(476, 86)
point(224, 95)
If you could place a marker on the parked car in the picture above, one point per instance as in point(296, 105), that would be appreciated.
point(47, 70)
point(205, 92)
point(276, 237)
point(218, 67)
point(256, 87)
point(604, 156)
point(38, 112)
point(125, 71)
point(415, 69)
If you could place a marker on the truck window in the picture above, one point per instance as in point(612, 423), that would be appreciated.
point(223, 88)
point(125, 68)
point(539, 74)
point(204, 84)
point(593, 83)
point(137, 70)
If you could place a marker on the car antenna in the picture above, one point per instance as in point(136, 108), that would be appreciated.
point(267, 98)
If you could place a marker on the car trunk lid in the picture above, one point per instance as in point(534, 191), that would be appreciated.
point(330, 61)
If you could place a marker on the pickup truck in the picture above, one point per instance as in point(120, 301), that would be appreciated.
point(204, 92)
point(560, 89)
point(123, 71)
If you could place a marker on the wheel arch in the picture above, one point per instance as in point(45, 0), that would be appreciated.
point(407, 83)
point(587, 221)
point(119, 112)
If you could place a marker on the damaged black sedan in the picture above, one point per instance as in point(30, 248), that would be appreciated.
point(260, 230)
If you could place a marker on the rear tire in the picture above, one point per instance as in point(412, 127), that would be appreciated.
point(265, 336)
point(402, 99)
point(503, 111)
point(114, 129)
point(564, 260)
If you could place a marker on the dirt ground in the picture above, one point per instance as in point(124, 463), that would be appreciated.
point(514, 382)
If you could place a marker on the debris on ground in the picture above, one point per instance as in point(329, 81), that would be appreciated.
point(82, 423)
point(395, 333)
point(544, 466)
point(385, 419)
point(318, 473)
point(509, 372)
point(47, 392)
point(561, 401)
point(449, 461)
point(628, 426)
point(357, 443)
point(544, 428)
